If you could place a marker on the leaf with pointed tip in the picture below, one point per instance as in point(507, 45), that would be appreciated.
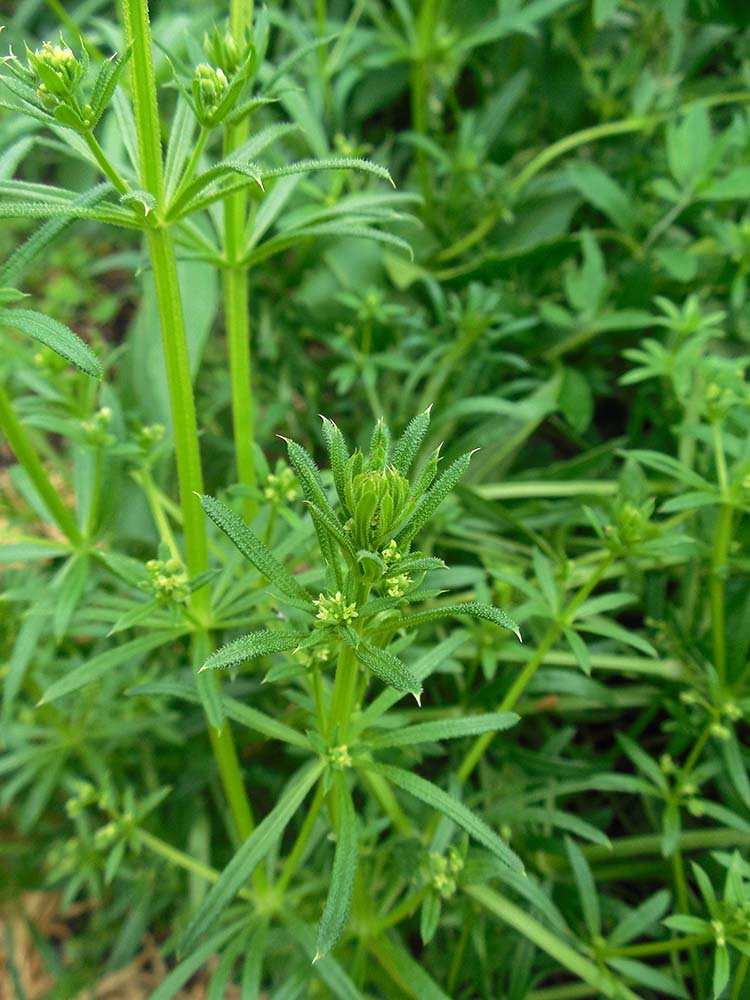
point(435, 797)
point(339, 453)
point(56, 336)
point(408, 444)
point(249, 647)
point(432, 500)
point(334, 163)
point(143, 198)
point(444, 729)
point(338, 902)
point(253, 549)
point(487, 612)
point(105, 84)
point(383, 664)
point(250, 854)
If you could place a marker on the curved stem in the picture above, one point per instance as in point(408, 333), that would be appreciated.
point(27, 457)
point(104, 163)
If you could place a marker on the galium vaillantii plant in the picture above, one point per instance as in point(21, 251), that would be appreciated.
point(373, 579)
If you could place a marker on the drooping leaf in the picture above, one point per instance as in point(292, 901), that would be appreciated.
point(248, 647)
point(444, 729)
point(338, 902)
point(384, 665)
point(435, 797)
point(54, 335)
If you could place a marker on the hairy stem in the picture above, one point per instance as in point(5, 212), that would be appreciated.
point(135, 18)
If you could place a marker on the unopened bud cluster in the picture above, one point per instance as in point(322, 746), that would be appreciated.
point(96, 429)
point(168, 579)
point(58, 71)
point(281, 486)
point(443, 871)
point(210, 84)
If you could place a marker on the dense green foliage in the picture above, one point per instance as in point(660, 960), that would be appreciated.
point(265, 699)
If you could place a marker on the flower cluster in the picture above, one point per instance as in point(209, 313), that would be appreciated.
point(334, 610)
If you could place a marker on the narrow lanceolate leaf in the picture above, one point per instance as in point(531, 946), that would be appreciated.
point(248, 647)
point(98, 666)
point(339, 455)
point(435, 797)
point(488, 612)
point(331, 526)
point(385, 665)
point(408, 444)
point(336, 163)
point(445, 729)
point(336, 911)
point(432, 500)
point(253, 549)
point(56, 336)
point(250, 854)
point(309, 477)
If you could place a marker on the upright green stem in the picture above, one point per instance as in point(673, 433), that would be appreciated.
point(104, 164)
point(342, 698)
point(190, 476)
point(719, 559)
point(236, 295)
point(135, 20)
point(27, 457)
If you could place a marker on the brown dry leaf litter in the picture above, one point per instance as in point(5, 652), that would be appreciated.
point(136, 981)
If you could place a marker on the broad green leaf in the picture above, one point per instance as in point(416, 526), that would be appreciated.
point(253, 549)
point(55, 336)
point(436, 798)
point(250, 854)
point(338, 902)
point(586, 886)
point(248, 647)
point(384, 665)
point(97, 666)
point(444, 729)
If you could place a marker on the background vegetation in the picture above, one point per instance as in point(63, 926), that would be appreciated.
point(561, 274)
